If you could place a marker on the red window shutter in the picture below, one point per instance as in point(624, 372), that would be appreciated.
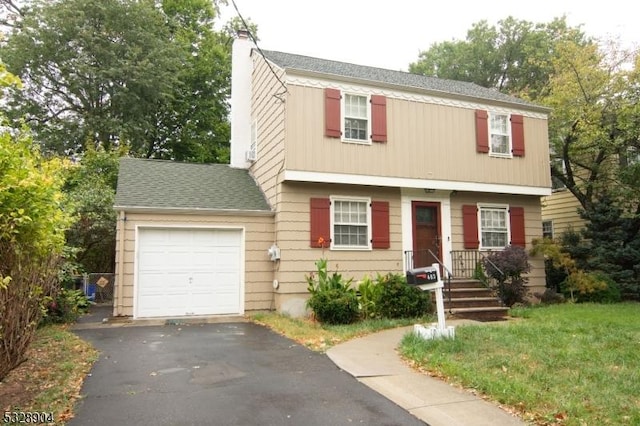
point(516, 215)
point(380, 225)
point(517, 135)
point(378, 118)
point(332, 113)
point(320, 222)
point(482, 131)
point(470, 227)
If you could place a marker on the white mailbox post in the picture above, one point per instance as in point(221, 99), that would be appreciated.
point(427, 279)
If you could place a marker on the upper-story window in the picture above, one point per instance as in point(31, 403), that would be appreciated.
point(500, 139)
point(356, 117)
point(499, 134)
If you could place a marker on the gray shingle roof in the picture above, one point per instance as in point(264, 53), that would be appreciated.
point(159, 184)
point(400, 78)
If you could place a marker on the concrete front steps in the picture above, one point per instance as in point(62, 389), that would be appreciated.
point(470, 299)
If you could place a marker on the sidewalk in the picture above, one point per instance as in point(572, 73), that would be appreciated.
point(373, 360)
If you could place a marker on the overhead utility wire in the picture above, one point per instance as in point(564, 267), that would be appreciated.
point(246, 27)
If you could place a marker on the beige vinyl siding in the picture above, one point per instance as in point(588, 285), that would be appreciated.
point(258, 237)
point(533, 225)
point(268, 111)
point(425, 141)
point(561, 207)
point(298, 258)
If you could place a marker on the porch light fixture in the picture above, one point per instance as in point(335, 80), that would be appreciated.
point(429, 190)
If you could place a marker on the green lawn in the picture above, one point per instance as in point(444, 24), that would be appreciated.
point(564, 364)
point(320, 337)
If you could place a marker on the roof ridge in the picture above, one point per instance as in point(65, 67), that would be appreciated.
point(174, 162)
point(406, 79)
point(375, 67)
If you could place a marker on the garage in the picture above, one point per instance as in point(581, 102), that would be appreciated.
point(188, 271)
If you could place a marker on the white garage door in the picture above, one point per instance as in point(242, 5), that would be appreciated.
point(183, 272)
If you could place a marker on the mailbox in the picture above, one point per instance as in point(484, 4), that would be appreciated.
point(426, 275)
point(426, 278)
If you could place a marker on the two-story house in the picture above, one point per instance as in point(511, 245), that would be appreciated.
point(373, 169)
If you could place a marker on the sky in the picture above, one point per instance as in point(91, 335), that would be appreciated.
point(391, 34)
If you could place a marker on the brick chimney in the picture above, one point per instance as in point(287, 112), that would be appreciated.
point(241, 70)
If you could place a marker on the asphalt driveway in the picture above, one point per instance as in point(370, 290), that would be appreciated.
point(221, 374)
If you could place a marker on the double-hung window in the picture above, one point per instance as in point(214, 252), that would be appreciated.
point(356, 118)
point(499, 135)
point(633, 155)
point(494, 227)
point(547, 229)
point(351, 224)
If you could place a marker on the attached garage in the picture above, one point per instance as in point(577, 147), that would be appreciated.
point(183, 272)
point(191, 240)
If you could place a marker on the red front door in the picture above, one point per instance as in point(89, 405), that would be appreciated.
point(426, 233)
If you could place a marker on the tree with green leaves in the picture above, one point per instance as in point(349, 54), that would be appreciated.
point(595, 141)
point(514, 57)
point(90, 188)
point(194, 125)
point(594, 126)
point(150, 76)
point(32, 231)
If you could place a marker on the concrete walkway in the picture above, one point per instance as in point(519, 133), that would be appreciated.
point(373, 360)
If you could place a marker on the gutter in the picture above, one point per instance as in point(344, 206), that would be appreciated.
point(193, 211)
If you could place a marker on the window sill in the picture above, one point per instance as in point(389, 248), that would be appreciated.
point(496, 155)
point(350, 248)
point(356, 141)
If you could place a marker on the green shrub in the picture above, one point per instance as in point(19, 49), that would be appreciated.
point(66, 307)
point(396, 299)
point(596, 287)
point(332, 299)
point(335, 306)
point(32, 235)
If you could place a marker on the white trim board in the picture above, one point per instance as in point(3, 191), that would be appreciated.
point(395, 182)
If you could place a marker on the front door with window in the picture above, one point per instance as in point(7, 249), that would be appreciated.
point(426, 233)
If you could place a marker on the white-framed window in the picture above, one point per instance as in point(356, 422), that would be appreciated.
point(493, 226)
point(356, 119)
point(499, 135)
point(547, 229)
point(633, 155)
point(350, 223)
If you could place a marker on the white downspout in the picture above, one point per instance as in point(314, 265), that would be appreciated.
point(120, 272)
